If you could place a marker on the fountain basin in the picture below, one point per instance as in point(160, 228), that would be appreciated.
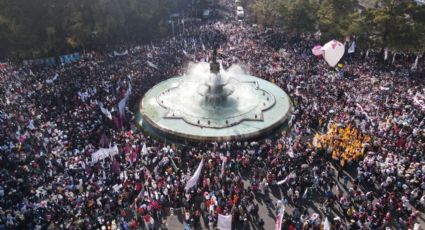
point(174, 108)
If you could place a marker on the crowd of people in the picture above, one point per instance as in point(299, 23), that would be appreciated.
point(347, 143)
point(51, 123)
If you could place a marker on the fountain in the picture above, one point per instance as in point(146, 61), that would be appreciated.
point(214, 105)
point(215, 93)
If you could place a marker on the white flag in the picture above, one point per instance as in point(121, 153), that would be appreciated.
point(326, 224)
point(223, 162)
point(186, 54)
point(121, 106)
point(352, 48)
point(123, 102)
point(224, 222)
point(291, 152)
point(415, 65)
point(279, 217)
point(194, 179)
point(105, 111)
point(31, 124)
point(416, 226)
point(386, 54)
point(152, 65)
point(50, 81)
point(144, 149)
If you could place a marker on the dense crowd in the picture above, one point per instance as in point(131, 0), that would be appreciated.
point(51, 123)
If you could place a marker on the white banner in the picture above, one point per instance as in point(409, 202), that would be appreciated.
point(224, 222)
point(103, 153)
point(194, 179)
point(120, 54)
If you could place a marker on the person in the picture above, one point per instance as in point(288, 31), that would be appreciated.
point(346, 179)
point(261, 224)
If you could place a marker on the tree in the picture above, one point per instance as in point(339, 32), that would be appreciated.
point(299, 16)
point(265, 11)
point(397, 25)
point(40, 28)
point(335, 17)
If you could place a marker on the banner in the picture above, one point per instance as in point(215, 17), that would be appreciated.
point(46, 61)
point(69, 58)
point(279, 217)
point(224, 222)
point(120, 54)
point(50, 61)
point(103, 153)
point(194, 179)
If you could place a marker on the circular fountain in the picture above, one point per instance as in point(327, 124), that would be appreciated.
point(214, 105)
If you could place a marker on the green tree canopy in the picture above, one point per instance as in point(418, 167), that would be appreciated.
point(300, 16)
point(265, 11)
point(49, 27)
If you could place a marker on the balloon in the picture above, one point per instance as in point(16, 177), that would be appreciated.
point(333, 52)
point(317, 50)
